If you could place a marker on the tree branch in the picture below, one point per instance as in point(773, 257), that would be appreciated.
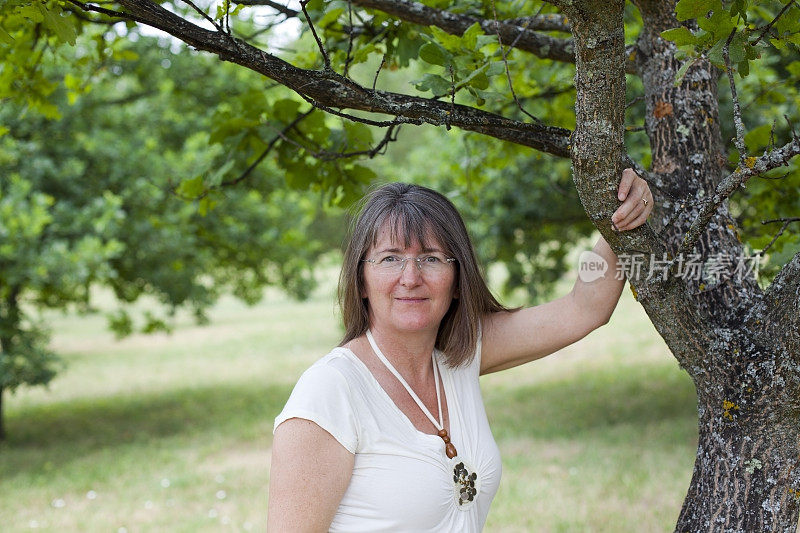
point(774, 159)
point(331, 90)
point(785, 224)
point(546, 22)
point(538, 44)
point(737, 110)
point(280, 8)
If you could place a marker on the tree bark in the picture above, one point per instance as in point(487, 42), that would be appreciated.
point(727, 335)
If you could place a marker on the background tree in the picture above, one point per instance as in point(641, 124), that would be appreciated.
point(499, 69)
point(93, 200)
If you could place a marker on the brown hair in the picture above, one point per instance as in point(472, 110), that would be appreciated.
point(418, 214)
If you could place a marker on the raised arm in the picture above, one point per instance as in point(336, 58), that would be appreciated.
point(309, 474)
point(511, 339)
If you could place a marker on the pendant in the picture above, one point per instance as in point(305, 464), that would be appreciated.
point(449, 448)
point(465, 484)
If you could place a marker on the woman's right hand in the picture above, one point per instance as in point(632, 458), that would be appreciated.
point(309, 474)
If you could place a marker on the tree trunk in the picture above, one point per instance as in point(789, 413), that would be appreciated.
point(743, 474)
point(735, 343)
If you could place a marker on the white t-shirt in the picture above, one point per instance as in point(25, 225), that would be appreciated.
point(402, 480)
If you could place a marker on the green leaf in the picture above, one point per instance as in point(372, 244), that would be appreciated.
point(484, 40)
point(61, 26)
point(359, 136)
point(285, 109)
point(470, 37)
point(191, 187)
point(692, 9)
point(683, 70)
point(744, 68)
point(5, 37)
point(205, 205)
point(680, 36)
point(758, 137)
point(434, 54)
point(330, 17)
point(715, 54)
point(449, 42)
point(434, 83)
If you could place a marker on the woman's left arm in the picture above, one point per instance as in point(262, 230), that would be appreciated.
point(511, 339)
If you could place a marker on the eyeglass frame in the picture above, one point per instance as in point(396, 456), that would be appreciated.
point(418, 260)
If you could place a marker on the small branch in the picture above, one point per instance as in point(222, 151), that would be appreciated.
point(504, 51)
point(377, 72)
point(203, 14)
point(266, 151)
point(325, 58)
point(103, 11)
point(548, 22)
point(774, 159)
point(280, 8)
point(538, 44)
point(327, 155)
point(636, 99)
point(330, 90)
point(769, 26)
point(349, 57)
point(106, 22)
point(737, 110)
point(786, 222)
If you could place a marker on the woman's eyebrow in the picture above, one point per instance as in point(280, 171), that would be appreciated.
point(395, 250)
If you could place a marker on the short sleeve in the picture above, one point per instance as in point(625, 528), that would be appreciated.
point(322, 395)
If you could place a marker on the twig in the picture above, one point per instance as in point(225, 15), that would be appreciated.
point(204, 15)
point(634, 100)
point(107, 22)
point(299, 118)
point(769, 26)
point(325, 58)
point(327, 155)
point(280, 8)
point(377, 72)
point(775, 158)
point(452, 96)
point(737, 110)
point(548, 22)
point(378, 123)
point(104, 11)
point(505, 63)
point(349, 57)
point(786, 222)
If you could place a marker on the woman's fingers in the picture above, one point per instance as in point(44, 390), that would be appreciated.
point(638, 202)
point(625, 184)
point(626, 221)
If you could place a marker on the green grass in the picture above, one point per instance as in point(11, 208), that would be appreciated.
point(172, 432)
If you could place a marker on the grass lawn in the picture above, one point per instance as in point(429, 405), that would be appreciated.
point(173, 432)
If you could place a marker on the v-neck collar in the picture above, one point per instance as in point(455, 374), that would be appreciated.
point(446, 385)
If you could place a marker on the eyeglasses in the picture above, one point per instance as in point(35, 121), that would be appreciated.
point(433, 263)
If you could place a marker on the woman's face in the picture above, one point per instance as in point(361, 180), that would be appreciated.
point(411, 300)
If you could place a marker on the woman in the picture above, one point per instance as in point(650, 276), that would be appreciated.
point(388, 431)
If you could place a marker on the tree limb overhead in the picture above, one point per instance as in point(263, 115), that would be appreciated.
point(327, 89)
